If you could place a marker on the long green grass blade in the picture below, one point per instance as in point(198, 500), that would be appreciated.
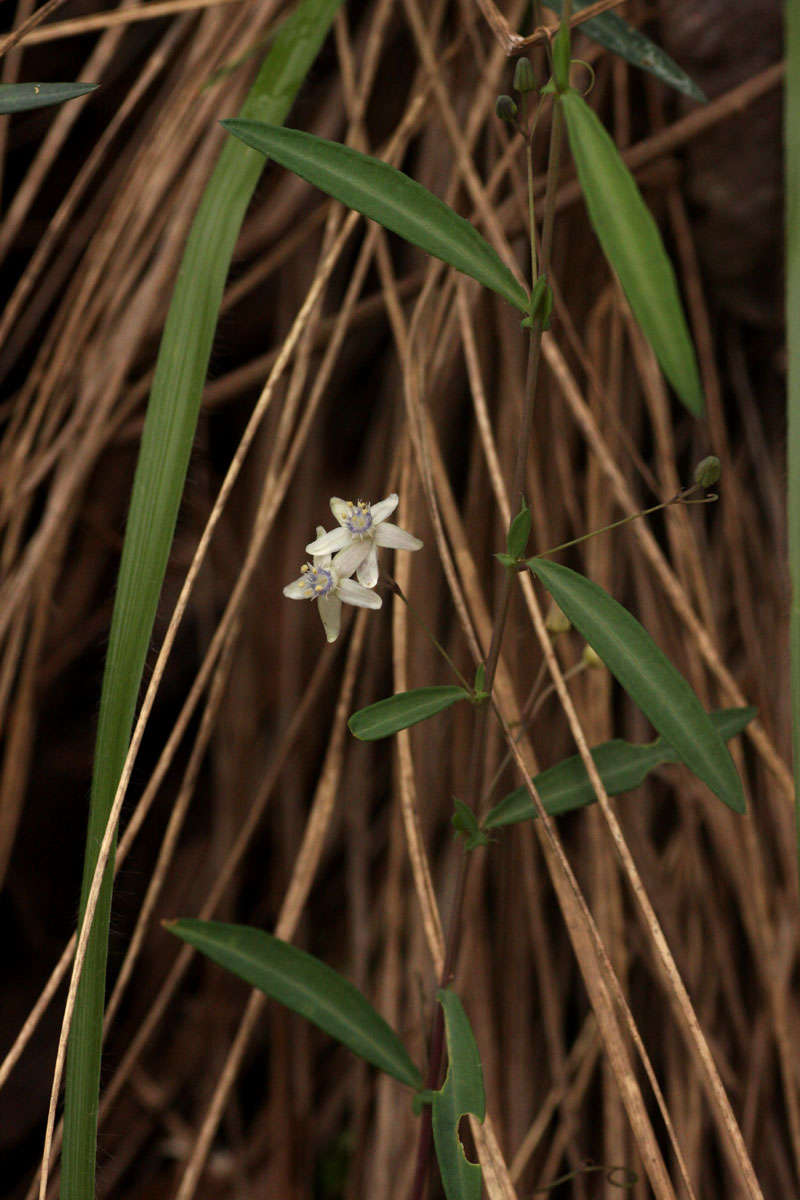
point(19, 97)
point(389, 197)
point(306, 986)
point(647, 676)
point(462, 1093)
point(615, 34)
point(160, 473)
point(388, 716)
point(622, 766)
point(792, 209)
point(632, 244)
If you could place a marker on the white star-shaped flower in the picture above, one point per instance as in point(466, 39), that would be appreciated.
point(362, 528)
point(324, 582)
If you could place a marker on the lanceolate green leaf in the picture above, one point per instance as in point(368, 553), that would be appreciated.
point(306, 986)
point(462, 1093)
point(622, 767)
point(647, 676)
point(611, 31)
point(389, 197)
point(19, 97)
point(161, 469)
point(386, 717)
point(632, 244)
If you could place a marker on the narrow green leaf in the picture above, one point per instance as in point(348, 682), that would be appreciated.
point(462, 1093)
point(305, 985)
point(622, 766)
point(389, 197)
point(465, 824)
point(160, 473)
point(647, 676)
point(611, 31)
point(19, 97)
point(519, 531)
point(632, 244)
point(386, 717)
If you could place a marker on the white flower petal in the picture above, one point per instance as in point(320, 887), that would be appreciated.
point(296, 590)
point(396, 539)
point(351, 557)
point(368, 570)
point(384, 508)
point(330, 610)
point(340, 509)
point(353, 593)
point(329, 543)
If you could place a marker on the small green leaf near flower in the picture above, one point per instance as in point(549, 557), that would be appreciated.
point(389, 716)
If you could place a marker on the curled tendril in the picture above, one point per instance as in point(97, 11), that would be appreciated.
point(709, 499)
point(618, 1177)
point(590, 69)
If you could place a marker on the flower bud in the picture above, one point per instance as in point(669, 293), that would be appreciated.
point(708, 471)
point(556, 621)
point(506, 109)
point(523, 76)
point(591, 658)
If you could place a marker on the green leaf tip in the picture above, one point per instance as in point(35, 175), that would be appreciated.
point(21, 97)
point(386, 195)
point(631, 242)
point(462, 1093)
point(307, 986)
point(647, 675)
point(617, 35)
point(389, 716)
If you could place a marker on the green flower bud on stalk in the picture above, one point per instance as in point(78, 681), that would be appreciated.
point(591, 658)
point(523, 76)
point(556, 621)
point(506, 109)
point(708, 471)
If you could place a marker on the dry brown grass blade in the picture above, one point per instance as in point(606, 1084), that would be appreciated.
point(85, 314)
point(579, 923)
point(303, 872)
point(654, 555)
point(112, 20)
point(512, 42)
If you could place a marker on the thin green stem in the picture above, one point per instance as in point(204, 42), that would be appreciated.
point(398, 591)
point(453, 934)
point(530, 710)
point(531, 209)
point(680, 498)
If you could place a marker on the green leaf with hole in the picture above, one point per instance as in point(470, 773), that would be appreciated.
point(386, 717)
point(19, 97)
point(615, 34)
point(389, 197)
point(622, 766)
point(632, 244)
point(461, 1093)
point(647, 676)
point(305, 985)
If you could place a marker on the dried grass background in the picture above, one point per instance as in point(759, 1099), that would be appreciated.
point(250, 800)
